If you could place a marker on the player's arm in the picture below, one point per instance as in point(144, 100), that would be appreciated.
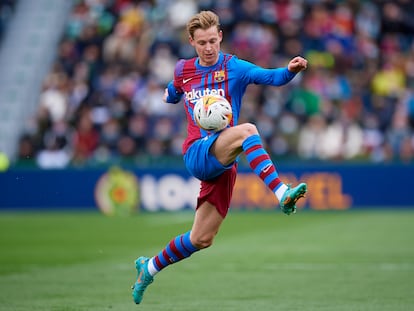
point(276, 77)
point(173, 92)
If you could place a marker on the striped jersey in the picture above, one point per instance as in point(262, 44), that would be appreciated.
point(229, 77)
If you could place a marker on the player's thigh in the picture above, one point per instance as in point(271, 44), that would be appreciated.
point(228, 145)
point(201, 163)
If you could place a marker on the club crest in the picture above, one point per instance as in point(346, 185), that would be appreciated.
point(219, 76)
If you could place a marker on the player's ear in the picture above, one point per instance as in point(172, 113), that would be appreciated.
point(220, 35)
point(191, 40)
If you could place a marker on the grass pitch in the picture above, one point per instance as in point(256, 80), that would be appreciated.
point(260, 261)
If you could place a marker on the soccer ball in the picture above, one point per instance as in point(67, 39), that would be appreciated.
point(212, 113)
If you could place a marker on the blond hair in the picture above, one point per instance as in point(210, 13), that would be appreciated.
point(203, 20)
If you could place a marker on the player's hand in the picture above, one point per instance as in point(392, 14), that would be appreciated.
point(171, 95)
point(164, 98)
point(297, 64)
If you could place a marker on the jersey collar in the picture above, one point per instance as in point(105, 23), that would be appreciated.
point(220, 60)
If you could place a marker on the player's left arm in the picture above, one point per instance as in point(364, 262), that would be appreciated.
point(277, 76)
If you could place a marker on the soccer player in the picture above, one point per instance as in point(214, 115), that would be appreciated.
point(212, 156)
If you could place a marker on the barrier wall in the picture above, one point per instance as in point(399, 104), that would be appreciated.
point(122, 190)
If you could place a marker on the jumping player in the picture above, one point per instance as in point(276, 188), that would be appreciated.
point(212, 157)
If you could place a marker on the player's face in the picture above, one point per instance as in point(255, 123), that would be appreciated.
point(207, 45)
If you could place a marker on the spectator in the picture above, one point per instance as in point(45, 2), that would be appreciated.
point(85, 138)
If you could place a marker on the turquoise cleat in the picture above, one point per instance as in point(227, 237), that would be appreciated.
point(143, 280)
point(290, 197)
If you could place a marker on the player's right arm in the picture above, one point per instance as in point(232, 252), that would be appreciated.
point(173, 92)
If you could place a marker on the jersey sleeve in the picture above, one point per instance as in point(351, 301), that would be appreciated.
point(258, 75)
point(175, 91)
point(178, 76)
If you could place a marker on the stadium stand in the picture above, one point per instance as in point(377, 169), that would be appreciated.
point(6, 12)
point(28, 45)
point(101, 99)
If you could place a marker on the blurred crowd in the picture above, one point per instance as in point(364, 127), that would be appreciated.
point(102, 100)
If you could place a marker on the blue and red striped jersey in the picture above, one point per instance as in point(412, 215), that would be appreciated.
point(229, 77)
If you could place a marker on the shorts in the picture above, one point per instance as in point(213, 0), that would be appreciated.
point(200, 162)
point(217, 180)
point(219, 191)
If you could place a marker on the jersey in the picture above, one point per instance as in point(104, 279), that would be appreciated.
point(229, 77)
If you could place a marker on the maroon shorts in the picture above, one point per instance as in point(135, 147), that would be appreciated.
point(218, 191)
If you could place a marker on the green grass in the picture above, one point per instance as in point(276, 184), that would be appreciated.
point(260, 261)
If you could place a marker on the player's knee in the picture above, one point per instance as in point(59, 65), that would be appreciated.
point(248, 129)
point(203, 241)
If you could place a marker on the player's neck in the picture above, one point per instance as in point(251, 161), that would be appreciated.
point(209, 64)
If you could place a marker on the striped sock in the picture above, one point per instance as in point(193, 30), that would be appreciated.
point(260, 162)
point(178, 249)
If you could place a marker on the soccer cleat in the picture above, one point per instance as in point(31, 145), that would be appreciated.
point(143, 279)
point(290, 197)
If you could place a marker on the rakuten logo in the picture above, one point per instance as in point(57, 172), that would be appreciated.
point(196, 94)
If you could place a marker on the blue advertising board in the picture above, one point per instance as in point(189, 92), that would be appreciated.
point(330, 187)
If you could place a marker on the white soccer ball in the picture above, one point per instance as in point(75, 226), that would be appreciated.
point(212, 113)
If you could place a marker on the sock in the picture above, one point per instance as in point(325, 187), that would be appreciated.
point(178, 249)
point(281, 191)
point(260, 162)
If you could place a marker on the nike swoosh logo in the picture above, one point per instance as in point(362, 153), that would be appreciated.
point(266, 168)
point(139, 279)
point(186, 80)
